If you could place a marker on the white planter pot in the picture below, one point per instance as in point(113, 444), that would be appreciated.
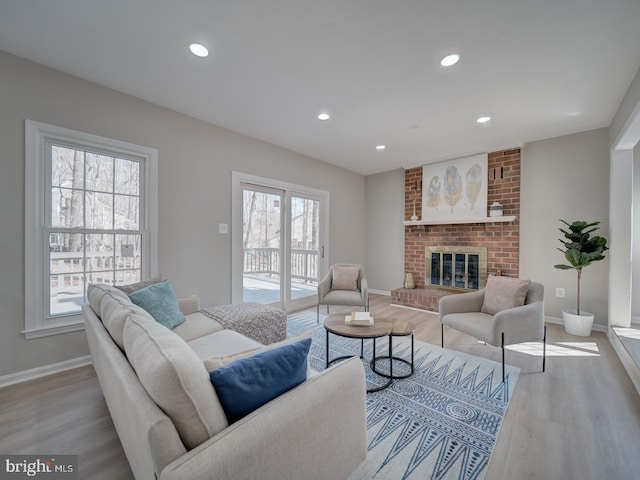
point(578, 324)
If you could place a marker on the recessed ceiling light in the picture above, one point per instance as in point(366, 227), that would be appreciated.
point(324, 116)
point(380, 147)
point(483, 119)
point(450, 60)
point(199, 50)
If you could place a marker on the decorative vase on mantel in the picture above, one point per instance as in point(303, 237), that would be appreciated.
point(414, 217)
point(495, 209)
point(409, 282)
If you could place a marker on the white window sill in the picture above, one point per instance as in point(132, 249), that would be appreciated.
point(57, 329)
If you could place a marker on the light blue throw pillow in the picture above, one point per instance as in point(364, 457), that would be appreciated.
point(247, 384)
point(161, 303)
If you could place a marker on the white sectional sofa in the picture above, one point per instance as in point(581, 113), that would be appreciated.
point(170, 421)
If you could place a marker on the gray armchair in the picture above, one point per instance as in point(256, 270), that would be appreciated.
point(507, 327)
point(343, 286)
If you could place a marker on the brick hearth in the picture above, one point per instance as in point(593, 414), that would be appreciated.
point(501, 239)
point(424, 298)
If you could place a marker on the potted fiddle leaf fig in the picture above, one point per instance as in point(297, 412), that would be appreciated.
point(580, 250)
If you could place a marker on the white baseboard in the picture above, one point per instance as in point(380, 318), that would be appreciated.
point(43, 371)
point(559, 321)
point(549, 319)
point(380, 292)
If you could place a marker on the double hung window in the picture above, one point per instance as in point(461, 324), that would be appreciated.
point(90, 219)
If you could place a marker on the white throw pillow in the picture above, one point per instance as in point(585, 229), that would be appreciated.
point(174, 378)
point(223, 361)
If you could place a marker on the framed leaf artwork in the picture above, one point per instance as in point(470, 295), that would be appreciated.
point(455, 189)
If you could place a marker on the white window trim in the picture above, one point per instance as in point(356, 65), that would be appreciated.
point(36, 135)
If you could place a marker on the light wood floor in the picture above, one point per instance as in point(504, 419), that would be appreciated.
point(579, 420)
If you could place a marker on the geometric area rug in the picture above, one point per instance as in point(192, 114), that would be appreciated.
point(440, 423)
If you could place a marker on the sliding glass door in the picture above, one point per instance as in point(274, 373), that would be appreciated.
point(278, 242)
point(261, 244)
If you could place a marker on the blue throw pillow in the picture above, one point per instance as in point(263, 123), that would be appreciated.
point(160, 301)
point(247, 384)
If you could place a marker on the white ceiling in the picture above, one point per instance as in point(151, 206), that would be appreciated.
point(539, 68)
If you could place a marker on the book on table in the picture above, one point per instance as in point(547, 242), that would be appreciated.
point(359, 319)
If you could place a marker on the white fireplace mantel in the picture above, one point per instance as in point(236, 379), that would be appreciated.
point(456, 221)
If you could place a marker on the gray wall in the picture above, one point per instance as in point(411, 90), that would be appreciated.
point(635, 272)
point(624, 114)
point(565, 177)
point(384, 230)
point(195, 164)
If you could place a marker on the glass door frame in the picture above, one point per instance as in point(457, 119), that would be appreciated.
point(309, 300)
point(238, 180)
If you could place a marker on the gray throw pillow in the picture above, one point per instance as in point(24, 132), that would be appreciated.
point(345, 278)
point(502, 293)
point(134, 287)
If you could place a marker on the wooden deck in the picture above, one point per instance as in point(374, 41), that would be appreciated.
point(266, 289)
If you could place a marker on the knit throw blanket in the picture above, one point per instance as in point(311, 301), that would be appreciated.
point(263, 323)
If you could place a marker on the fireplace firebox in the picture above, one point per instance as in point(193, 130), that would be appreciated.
point(456, 267)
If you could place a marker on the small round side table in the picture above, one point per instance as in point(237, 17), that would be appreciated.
point(381, 328)
point(401, 328)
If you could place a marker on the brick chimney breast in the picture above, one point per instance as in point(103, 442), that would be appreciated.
point(502, 240)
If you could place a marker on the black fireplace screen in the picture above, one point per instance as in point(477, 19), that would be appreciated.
point(459, 270)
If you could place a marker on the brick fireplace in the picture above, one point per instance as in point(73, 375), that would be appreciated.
point(501, 240)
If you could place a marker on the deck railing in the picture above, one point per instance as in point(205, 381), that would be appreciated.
point(68, 269)
point(304, 263)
